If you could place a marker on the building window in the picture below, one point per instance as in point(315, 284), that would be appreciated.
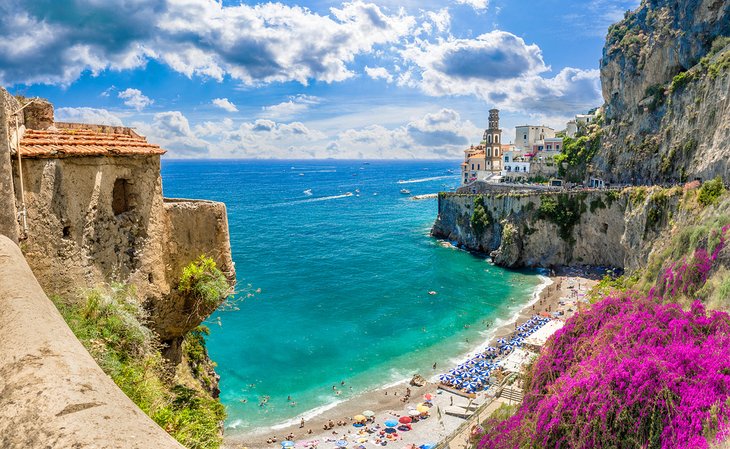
point(524, 136)
point(489, 138)
point(472, 166)
point(120, 196)
point(479, 166)
point(496, 138)
point(557, 147)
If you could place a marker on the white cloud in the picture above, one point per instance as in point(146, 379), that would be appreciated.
point(171, 130)
point(296, 105)
point(379, 73)
point(225, 104)
point(87, 115)
point(476, 4)
point(502, 70)
point(54, 42)
point(135, 99)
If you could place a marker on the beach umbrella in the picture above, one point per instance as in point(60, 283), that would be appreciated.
point(341, 443)
point(359, 418)
point(369, 413)
point(422, 408)
point(414, 412)
point(428, 396)
point(390, 430)
point(287, 444)
point(405, 420)
point(391, 423)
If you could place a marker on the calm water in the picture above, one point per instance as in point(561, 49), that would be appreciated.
point(344, 281)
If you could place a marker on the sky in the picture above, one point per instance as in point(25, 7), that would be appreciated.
point(374, 79)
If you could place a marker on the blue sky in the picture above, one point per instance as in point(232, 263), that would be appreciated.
point(359, 79)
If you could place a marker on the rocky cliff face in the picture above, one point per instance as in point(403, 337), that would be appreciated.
point(615, 229)
point(666, 83)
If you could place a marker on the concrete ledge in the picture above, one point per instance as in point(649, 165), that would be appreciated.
point(52, 392)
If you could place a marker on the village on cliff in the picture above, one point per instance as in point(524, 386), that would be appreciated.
point(531, 157)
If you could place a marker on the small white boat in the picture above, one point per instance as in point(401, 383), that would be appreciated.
point(301, 174)
point(357, 190)
point(405, 191)
point(308, 192)
point(432, 292)
point(348, 193)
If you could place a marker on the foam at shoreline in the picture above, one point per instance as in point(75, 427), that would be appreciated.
point(396, 380)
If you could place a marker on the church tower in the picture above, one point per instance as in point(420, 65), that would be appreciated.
point(492, 143)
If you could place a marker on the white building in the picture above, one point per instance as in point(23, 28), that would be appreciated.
point(527, 135)
point(515, 165)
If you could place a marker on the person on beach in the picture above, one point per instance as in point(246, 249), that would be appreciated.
point(434, 365)
point(301, 424)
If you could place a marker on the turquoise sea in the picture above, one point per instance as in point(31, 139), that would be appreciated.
point(344, 281)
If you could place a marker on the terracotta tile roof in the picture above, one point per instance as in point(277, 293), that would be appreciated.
point(61, 143)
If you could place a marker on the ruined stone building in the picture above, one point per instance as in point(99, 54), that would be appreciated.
point(86, 204)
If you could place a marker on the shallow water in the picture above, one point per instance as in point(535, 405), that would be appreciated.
point(344, 277)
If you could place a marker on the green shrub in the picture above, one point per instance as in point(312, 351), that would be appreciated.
point(564, 210)
point(112, 326)
point(711, 191)
point(480, 218)
point(681, 80)
point(203, 281)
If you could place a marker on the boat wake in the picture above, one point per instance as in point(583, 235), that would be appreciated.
point(433, 178)
point(314, 200)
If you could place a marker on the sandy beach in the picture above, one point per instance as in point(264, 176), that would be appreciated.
point(561, 296)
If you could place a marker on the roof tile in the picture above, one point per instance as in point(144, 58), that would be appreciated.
point(60, 143)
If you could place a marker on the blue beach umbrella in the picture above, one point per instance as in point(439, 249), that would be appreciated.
point(287, 444)
point(391, 423)
point(341, 443)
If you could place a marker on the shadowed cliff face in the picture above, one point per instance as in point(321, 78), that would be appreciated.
point(601, 228)
point(660, 127)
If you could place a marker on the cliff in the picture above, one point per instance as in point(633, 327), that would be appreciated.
point(607, 228)
point(666, 85)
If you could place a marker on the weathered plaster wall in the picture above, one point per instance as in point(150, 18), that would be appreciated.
point(53, 394)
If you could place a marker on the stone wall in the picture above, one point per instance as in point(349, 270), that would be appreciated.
point(95, 220)
point(53, 392)
point(8, 209)
point(611, 229)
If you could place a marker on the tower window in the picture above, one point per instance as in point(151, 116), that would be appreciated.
point(120, 196)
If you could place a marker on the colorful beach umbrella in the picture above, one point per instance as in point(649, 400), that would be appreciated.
point(341, 443)
point(287, 444)
point(405, 420)
point(391, 423)
point(369, 413)
point(422, 408)
point(414, 412)
point(428, 396)
point(359, 418)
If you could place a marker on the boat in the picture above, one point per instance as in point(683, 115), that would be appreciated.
point(405, 191)
point(301, 174)
point(308, 192)
point(357, 190)
point(348, 193)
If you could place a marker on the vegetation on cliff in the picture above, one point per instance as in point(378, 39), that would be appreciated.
point(573, 162)
point(112, 326)
point(204, 284)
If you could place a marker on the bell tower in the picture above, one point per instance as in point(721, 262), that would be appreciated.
point(492, 143)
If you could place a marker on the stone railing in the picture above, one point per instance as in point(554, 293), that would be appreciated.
point(53, 392)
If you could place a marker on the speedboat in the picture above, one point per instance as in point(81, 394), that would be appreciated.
point(405, 191)
point(308, 192)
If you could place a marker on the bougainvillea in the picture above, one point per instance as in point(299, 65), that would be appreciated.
point(631, 372)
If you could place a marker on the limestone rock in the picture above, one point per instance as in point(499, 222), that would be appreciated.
point(418, 381)
point(654, 132)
